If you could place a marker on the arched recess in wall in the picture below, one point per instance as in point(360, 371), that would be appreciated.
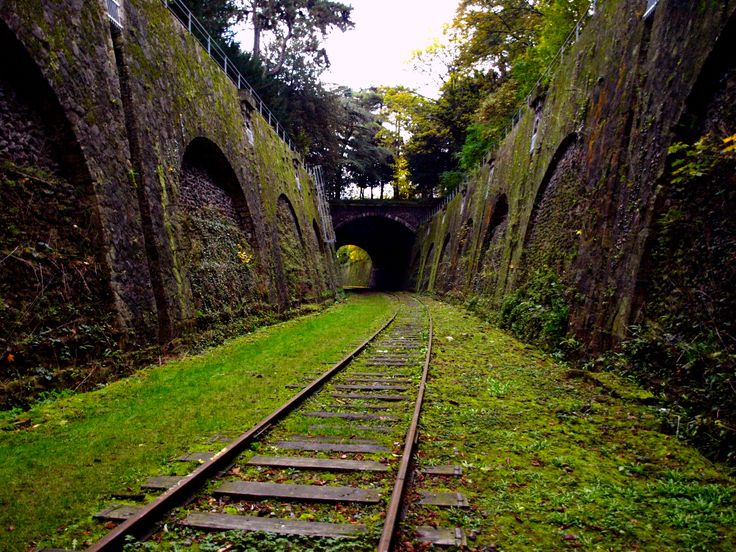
point(465, 239)
point(685, 286)
point(490, 249)
point(217, 242)
point(414, 269)
point(443, 278)
point(56, 306)
point(324, 261)
point(294, 257)
point(427, 269)
point(552, 233)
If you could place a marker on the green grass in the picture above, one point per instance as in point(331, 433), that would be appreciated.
point(554, 461)
point(72, 452)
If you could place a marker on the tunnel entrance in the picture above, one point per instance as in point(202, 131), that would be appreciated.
point(356, 267)
point(387, 242)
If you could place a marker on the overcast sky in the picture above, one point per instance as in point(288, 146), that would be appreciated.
point(385, 33)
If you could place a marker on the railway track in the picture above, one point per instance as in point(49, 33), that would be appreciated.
point(333, 462)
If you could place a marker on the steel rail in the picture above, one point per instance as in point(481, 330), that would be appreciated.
point(412, 436)
point(142, 521)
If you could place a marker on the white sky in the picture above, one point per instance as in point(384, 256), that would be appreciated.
point(376, 50)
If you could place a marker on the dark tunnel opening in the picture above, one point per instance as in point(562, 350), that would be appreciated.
point(389, 244)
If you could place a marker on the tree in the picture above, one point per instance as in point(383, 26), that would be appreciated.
point(216, 16)
point(282, 28)
point(366, 162)
point(494, 53)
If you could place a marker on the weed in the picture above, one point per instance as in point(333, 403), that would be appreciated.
point(496, 388)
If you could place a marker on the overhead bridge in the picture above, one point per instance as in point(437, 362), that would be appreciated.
point(386, 230)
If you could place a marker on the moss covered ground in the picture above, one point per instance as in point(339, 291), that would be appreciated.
point(553, 460)
point(61, 461)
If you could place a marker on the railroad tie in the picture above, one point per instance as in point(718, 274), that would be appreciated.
point(162, 482)
point(288, 491)
point(348, 427)
point(376, 374)
point(442, 536)
point(351, 416)
point(196, 457)
point(117, 513)
point(449, 469)
point(368, 396)
point(322, 464)
point(385, 381)
point(397, 388)
point(229, 522)
point(331, 447)
point(455, 500)
point(332, 439)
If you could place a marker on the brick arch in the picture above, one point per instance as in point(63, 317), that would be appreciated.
point(318, 236)
point(377, 213)
point(298, 279)
point(426, 269)
point(548, 184)
point(497, 224)
point(690, 239)
point(209, 180)
point(285, 202)
point(443, 277)
point(60, 308)
point(216, 237)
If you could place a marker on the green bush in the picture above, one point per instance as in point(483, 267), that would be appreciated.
point(537, 312)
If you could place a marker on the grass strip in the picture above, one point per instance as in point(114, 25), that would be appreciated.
point(74, 452)
point(553, 461)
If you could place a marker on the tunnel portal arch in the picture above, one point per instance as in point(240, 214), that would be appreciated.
point(389, 242)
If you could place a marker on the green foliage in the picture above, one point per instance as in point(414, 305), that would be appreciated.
point(218, 259)
point(55, 309)
point(288, 35)
point(559, 17)
point(352, 254)
point(366, 158)
point(683, 346)
point(693, 161)
point(356, 266)
point(556, 462)
point(537, 311)
point(267, 542)
point(76, 450)
point(284, 66)
point(478, 142)
point(449, 180)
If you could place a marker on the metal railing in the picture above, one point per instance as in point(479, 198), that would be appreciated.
point(328, 231)
point(190, 22)
point(572, 37)
point(445, 200)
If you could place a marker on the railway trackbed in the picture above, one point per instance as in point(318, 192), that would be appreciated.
point(332, 463)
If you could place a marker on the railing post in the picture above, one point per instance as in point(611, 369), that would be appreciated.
point(238, 81)
point(189, 21)
point(226, 65)
point(208, 45)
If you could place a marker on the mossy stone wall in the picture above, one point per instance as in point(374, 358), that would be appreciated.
point(134, 100)
point(607, 119)
point(583, 261)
